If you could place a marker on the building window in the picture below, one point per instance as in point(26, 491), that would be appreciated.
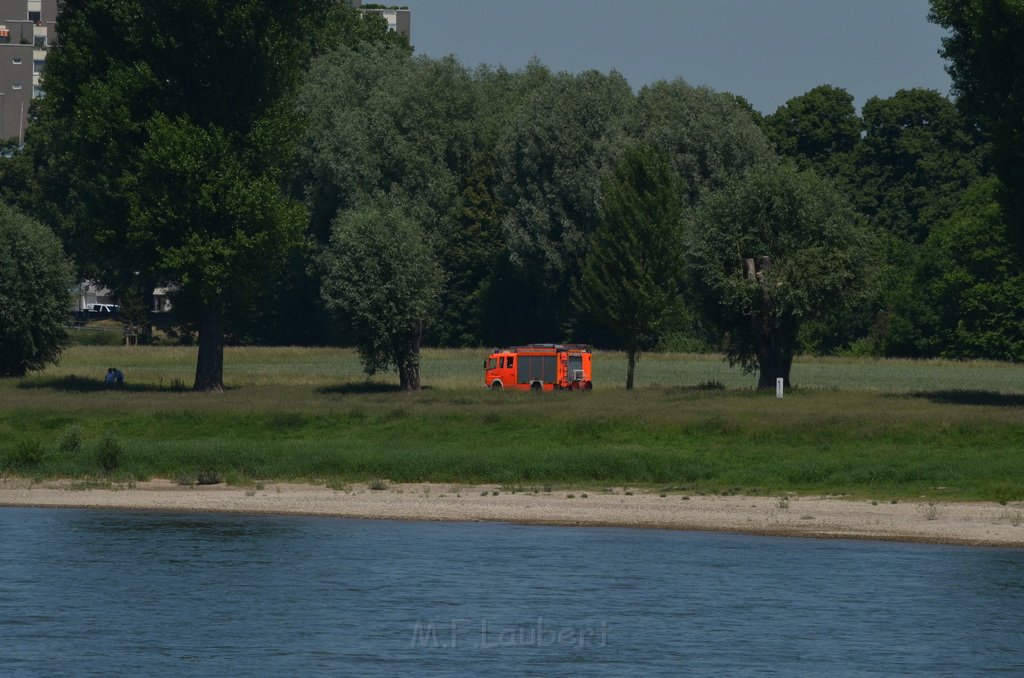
point(40, 41)
point(16, 61)
point(37, 65)
point(37, 92)
point(35, 17)
point(16, 85)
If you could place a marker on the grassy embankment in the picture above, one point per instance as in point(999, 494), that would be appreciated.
point(858, 427)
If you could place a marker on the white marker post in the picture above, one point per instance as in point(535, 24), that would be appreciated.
point(778, 387)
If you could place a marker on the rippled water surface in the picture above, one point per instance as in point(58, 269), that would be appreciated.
point(107, 593)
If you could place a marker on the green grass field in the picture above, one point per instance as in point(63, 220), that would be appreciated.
point(853, 427)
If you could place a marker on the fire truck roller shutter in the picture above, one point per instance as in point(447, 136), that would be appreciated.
point(536, 368)
point(550, 374)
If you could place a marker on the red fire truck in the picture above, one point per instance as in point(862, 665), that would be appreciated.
point(539, 367)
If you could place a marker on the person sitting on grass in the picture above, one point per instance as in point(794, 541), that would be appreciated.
point(115, 377)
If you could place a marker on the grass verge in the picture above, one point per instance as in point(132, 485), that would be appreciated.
point(307, 414)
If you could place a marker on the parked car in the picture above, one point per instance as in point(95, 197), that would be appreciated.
point(102, 309)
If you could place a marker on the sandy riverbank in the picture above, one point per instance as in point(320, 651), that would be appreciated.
point(974, 523)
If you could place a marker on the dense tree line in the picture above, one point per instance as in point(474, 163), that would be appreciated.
point(354, 193)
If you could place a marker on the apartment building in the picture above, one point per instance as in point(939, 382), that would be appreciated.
point(399, 18)
point(27, 29)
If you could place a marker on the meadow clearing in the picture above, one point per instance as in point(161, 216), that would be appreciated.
point(851, 427)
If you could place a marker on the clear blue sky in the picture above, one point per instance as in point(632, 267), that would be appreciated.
point(765, 50)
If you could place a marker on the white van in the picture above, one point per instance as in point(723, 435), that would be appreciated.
point(102, 309)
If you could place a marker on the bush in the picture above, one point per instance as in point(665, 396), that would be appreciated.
point(865, 347)
point(34, 305)
point(109, 452)
point(208, 477)
point(70, 442)
point(682, 342)
point(27, 455)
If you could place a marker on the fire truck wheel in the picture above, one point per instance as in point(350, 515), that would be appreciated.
point(496, 386)
point(535, 386)
point(588, 386)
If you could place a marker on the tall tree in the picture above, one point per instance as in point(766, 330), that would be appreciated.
point(35, 277)
point(381, 275)
point(414, 132)
point(630, 276)
point(709, 137)
point(219, 227)
point(771, 251)
point(550, 163)
point(818, 130)
point(16, 176)
point(475, 252)
point(971, 284)
point(384, 126)
point(917, 156)
point(165, 138)
point(986, 62)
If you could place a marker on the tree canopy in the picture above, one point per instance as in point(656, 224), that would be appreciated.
point(412, 132)
point(710, 137)
point(564, 139)
point(986, 63)
point(35, 277)
point(971, 284)
point(917, 156)
point(163, 142)
point(771, 251)
point(818, 129)
point(382, 277)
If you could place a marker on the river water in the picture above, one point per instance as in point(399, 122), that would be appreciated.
point(123, 593)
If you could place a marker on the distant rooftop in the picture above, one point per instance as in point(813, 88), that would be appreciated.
point(399, 17)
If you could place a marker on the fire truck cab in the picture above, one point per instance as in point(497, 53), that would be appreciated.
point(539, 367)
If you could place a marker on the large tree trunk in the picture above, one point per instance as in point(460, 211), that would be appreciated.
point(409, 374)
point(631, 366)
point(774, 354)
point(210, 365)
point(773, 366)
point(409, 362)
